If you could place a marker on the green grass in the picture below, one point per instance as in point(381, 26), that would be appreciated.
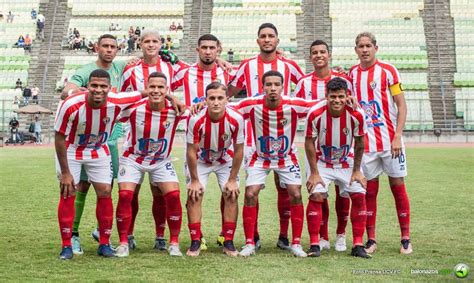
point(439, 185)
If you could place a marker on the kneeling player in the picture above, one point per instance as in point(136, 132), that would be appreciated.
point(153, 123)
point(211, 136)
point(335, 125)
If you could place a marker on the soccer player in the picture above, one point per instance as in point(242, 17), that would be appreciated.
point(215, 143)
point(274, 121)
point(313, 86)
point(377, 86)
point(149, 143)
point(194, 81)
point(249, 76)
point(83, 125)
point(335, 126)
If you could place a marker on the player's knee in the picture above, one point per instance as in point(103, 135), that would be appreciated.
point(396, 181)
point(295, 197)
point(319, 197)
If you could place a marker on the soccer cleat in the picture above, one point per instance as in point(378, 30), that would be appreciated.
point(340, 244)
point(258, 243)
point(314, 251)
point(66, 253)
point(406, 247)
point(229, 248)
point(105, 251)
point(283, 243)
point(173, 250)
point(132, 244)
point(297, 250)
point(95, 234)
point(160, 244)
point(359, 251)
point(203, 244)
point(220, 240)
point(194, 249)
point(122, 251)
point(324, 244)
point(247, 250)
point(371, 246)
point(76, 245)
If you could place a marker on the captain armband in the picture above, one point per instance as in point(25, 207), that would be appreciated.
point(396, 89)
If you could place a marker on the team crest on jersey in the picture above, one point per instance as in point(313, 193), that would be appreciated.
point(122, 171)
point(260, 121)
point(166, 124)
point(195, 81)
point(225, 137)
point(129, 89)
point(256, 77)
point(345, 131)
point(106, 120)
point(283, 122)
point(373, 84)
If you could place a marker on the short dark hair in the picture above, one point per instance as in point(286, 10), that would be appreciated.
point(208, 37)
point(319, 42)
point(216, 85)
point(157, 75)
point(272, 73)
point(336, 84)
point(99, 73)
point(106, 36)
point(267, 25)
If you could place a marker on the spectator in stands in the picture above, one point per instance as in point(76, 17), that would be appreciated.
point(131, 31)
point(122, 44)
point(230, 56)
point(111, 27)
point(33, 14)
point(77, 43)
point(19, 84)
point(131, 44)
point(180, 27)
point(10, 17)
point(90, 47)
point(169, 42)
point(41, 18)
point(37, 124)
point(15, 100)
point(118, 27)
point(138, 41)
point(28, 42)
point(20, 43)
point(76, 32)
point(138, 32)
point(40, 26)
point(70, 34)
point(34, 93)
point(26, 95)
point(173, 27)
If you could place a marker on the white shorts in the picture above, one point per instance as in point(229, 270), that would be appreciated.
point(98, 170)
point(204, 170)
point(290, 175)
point(341, 177)
point(132, 172)
point(376, 163)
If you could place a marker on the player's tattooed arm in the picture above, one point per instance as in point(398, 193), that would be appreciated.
point(66, 181)
point(196, 108)
point(357, 175)
point(401, 119)
point(70, 89)
point(231, 188)
point(179, 106)
point(195, 189)
point(314, 179)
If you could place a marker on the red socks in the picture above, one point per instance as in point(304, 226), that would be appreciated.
point(371, 201)
point(343, 206)
point(159, 214)
point(323, 232)
point(195, 231)
point(228, 229)
point(135, 207)
point(297, 216)
point(124, 214)
point(403, 209)
point(66, 213)
point(313, 217)
point(105, 216)
point(284, 212)
point(358, 218)
point(249, 215)
point(173, 215)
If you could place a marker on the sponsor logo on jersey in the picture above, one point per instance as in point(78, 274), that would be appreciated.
point(271, 146)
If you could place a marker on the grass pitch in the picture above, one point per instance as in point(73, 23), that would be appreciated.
point(439, 185)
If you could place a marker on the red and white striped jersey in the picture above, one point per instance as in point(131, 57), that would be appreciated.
point(194, 81)
point(310, 87)
point(215, 138)
point(250, 72)
point(372, 88)
point(274, 129)
point(151, 134)
point(135, 77)
point(87, 128)
point(335, 135)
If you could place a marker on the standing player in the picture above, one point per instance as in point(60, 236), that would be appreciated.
point(153, 124)
point(83, 125)
point(274, 121)
point(334, 125)
point(195, 80)
point(377, 86)
point(313, 86)
point(215, 143)
point(249, 76)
